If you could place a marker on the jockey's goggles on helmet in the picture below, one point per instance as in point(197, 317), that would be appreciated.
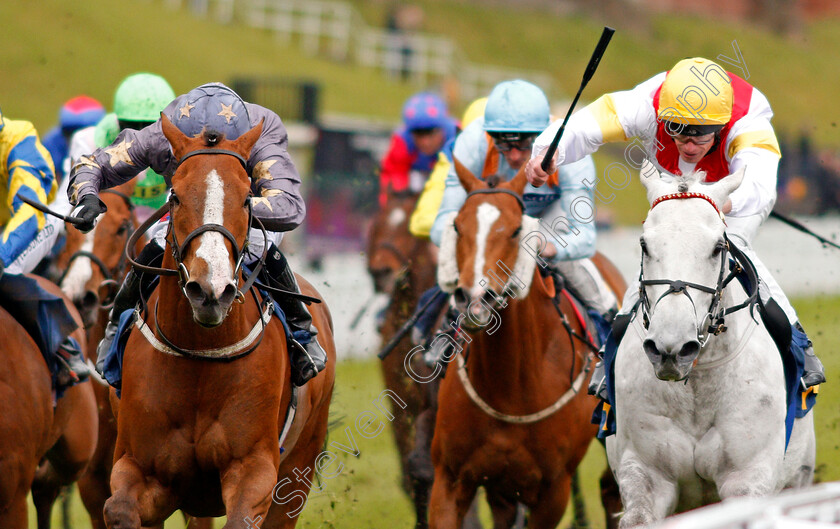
point(507, 141)
point(424, 131)
point(697, 134)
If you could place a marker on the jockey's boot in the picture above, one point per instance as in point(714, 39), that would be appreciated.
point(814, 372)
point(127, 298)
point(72, 367)
point(446, 343)
point(310, 359)
point(598, 382)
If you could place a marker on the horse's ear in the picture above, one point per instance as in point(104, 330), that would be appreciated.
point(652, 180)
point(518, 183)
point(468, 180)
point(721, 189)
point(177, 139)
point(246, 142)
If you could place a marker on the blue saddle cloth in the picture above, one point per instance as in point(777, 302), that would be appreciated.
point(113, 361)
point(799, 401)
point(44, 316)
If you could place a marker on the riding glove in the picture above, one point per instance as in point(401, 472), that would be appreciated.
point(87, 211)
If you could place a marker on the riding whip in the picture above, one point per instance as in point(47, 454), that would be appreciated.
point(587, 75)
point(400, 334)
point(801, 227)
point(44, 209)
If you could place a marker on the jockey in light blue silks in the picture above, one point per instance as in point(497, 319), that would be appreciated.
point(276, 201)
point(26, 169)
point(499, 143)
point(697, 116)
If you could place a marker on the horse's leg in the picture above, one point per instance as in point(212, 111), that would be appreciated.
point(420, 465)
point(449, 502)
point(610, 498)
point(549, 509)
point(647, 495)
point(15, 515)
point(504, 511)
point(136, 498)
point(246, 488)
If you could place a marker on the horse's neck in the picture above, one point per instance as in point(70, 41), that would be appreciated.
point(423, 267)
point(512, 347)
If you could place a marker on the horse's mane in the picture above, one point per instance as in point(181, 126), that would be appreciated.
point(684, 182)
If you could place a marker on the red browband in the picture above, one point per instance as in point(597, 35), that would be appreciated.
point(690, 194)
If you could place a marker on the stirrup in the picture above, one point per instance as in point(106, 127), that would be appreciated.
point(72, 368)
point(598, 382)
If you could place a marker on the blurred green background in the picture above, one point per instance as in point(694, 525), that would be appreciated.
point(51, 50)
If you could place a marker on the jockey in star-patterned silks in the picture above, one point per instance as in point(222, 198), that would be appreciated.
point(697, 116)
point(26, 170)
point(275, 186)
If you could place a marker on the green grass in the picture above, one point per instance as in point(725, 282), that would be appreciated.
point(367, 492)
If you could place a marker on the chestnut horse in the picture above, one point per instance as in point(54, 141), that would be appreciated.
point(42, 446)
point(403, 266)
point(94, 265)
point(206, 381)
point(514, 416)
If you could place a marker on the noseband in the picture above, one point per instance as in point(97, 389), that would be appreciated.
point(715, 313)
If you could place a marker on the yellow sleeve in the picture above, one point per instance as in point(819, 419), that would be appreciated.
point(426, 210)
point(604, 112)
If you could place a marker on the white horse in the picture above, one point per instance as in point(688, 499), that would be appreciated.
point(685, 441)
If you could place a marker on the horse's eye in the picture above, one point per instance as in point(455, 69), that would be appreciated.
point(719, 247)
point(174, 199)
point(457, 231)
point(122, 229)
point(644, 246)
point(516, 232)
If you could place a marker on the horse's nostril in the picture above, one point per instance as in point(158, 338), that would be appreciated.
point(228, 294)
point(90, 300)
point(194, 292)
point(690, 349)
point(650, 348)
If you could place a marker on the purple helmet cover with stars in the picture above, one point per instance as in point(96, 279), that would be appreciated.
point(213, 106)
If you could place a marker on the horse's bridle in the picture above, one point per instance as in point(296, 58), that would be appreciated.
point(111, 275)
point(179, 248)
point(498, 298)
point(715, 313)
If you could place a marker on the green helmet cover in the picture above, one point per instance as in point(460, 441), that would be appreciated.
point(106, 130)
point(150, 190)
point(141, 97)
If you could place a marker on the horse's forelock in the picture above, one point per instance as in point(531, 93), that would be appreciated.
point(212, 138)
point(493, 180)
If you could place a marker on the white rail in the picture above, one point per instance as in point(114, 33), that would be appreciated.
point(334, 28)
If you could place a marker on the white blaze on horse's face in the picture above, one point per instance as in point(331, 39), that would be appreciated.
point(212, 247)
point(80, 271)
point(396, 217)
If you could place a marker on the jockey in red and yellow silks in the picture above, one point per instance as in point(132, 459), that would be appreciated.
point(696, 116)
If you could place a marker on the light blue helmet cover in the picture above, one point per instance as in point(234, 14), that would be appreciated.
point(516, 106)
